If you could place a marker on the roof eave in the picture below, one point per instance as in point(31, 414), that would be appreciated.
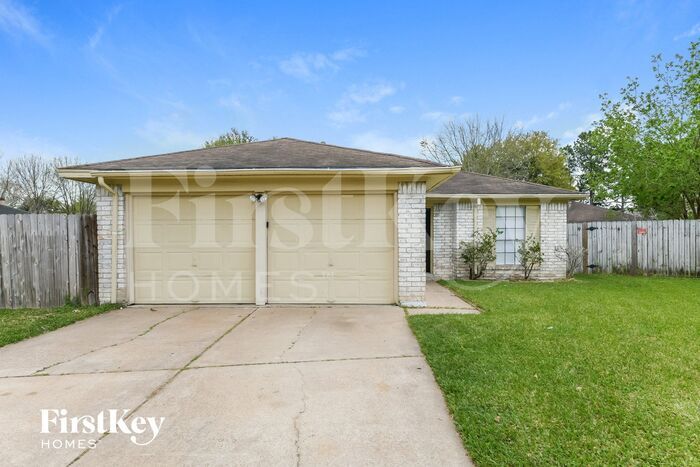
point(434, 175)
point(562, 196)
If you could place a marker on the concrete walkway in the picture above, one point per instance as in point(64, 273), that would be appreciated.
point(440, 300)
point(236, 385)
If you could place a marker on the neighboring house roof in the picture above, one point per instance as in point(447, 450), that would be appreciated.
point(282, 153)
point(580, 212)
point(470, 183)
point(10, 210)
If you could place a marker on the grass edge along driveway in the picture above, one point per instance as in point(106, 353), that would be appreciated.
point(17, 325)
point(602, 369)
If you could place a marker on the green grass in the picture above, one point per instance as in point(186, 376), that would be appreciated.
point(600, 370)
point(17, 325)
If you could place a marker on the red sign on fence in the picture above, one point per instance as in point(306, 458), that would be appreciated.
point(641, 230)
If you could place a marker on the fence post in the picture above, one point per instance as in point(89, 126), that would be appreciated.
point(635, 259)
point(584, 245)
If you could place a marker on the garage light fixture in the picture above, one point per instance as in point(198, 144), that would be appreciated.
point(258, 197)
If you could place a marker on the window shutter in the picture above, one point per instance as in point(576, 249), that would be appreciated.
point(532, 222)
point(489, 218)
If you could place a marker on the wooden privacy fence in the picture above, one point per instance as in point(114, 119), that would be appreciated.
point(46, 259)
point(657, 247)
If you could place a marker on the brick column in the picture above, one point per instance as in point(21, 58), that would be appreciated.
point(104, 246)
point(463, 231)
point(411, 237)
point(443, 240)
point(552, 235)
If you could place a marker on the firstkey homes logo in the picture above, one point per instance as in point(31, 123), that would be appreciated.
point(141, 430)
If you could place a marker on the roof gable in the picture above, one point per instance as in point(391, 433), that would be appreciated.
point(580, 212)
point(4, 209)
point(470, 183)
point(283, 153)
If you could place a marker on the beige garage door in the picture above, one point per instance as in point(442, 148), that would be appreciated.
point(193, 249)
point(331, 249)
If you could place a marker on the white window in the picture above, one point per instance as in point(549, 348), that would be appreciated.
point(510, 222)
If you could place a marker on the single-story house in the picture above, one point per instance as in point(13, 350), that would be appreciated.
point(5, 209)
point(290, 221)
point(581, 212)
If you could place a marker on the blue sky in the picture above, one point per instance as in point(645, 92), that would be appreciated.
point(105, 80)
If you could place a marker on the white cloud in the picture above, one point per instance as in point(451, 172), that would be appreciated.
point(436, 115)
point(18, 143)
point(96, 37)
point(375, 142)
point(306, 66)
point(369, 93)
point(456, 100)
point(441, 116)
point(16, 20)
point(350, 53)
point(342, 117)
point(397, 109)
point(587, 122)
point(309, 66)
point(536, 119)
point(349, 108)
point(231, 102)
point(692, 32)
point(169, 133)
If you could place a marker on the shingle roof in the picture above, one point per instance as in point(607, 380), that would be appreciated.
point(10, 210)
point(469, 183)
point(287, 153)
point(580, 212)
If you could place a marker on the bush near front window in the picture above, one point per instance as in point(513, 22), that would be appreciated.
point(478, 253)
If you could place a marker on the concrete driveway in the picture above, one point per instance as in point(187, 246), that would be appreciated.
point(235, 385)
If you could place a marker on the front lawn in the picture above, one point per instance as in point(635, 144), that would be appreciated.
point(600, 370)
point(17, 325)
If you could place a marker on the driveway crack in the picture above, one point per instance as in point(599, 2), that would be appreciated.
point(298, 336)
point(297, 418)
point(169, 380)
point(116, 344)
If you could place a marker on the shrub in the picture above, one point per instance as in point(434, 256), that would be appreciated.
point(573, 255)
point(479, 252)
point(529, 255)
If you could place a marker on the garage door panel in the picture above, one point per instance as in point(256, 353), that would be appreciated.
point(347, 261)
point(148, 261)
point(178, 261)
point(198, 249)
point(330, 207)
point(333, 249)
point(300, 289)
point(372, 290)
point(236, 234)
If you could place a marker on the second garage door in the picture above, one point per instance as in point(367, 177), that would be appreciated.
point(331, 248)
point(197, 249)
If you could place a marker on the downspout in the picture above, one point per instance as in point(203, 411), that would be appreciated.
point(115, 201)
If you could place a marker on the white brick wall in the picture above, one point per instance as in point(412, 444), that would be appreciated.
point(463, 231)
point(104, 246)
point(552, 235)
point(411, 237)
point(452, 224)
point(457, 222)
point(443, 240)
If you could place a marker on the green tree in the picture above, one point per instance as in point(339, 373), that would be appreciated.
point(488, 148)
point(651, 139)
point(587, 166)
point(233, 136)
point(534, 157)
